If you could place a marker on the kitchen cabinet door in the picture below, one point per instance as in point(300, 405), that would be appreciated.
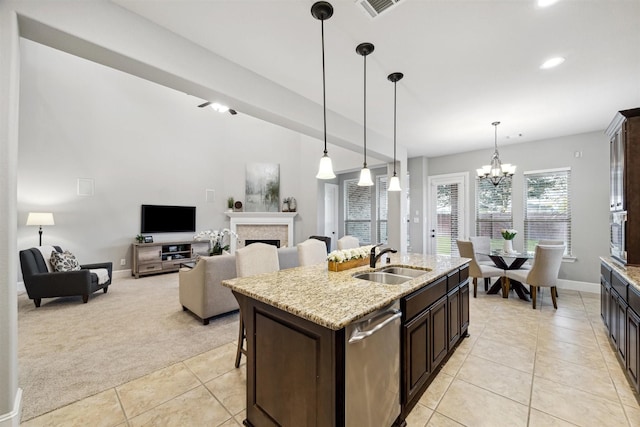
point(453, 316)
point(439, 342)
point(417, 366)
point(464, 308)
point(621, 320)
point(633, 347)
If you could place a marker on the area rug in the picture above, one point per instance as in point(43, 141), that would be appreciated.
point(68, 350)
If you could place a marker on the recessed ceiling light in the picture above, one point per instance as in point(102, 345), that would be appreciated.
point(219, 107)
point(553, 62)
point(545, 3)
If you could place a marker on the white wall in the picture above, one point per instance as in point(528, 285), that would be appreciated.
point(589, 190)
point(141, 143)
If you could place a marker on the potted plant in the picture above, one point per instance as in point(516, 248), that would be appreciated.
point(230, 204)
point(139, 238)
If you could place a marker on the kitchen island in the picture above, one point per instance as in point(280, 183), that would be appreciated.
point(296, 321)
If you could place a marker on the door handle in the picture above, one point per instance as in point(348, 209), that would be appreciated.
point(359, 335)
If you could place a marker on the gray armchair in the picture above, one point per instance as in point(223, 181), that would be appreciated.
point(40, 283)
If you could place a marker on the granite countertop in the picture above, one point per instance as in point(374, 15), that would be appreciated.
point(631, 274)
point(335, 299)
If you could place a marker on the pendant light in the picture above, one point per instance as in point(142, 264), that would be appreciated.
point(365, 49)
point(394, 182)
point(496, 171)
point(323, 10)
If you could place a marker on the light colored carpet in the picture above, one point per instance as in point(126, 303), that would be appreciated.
point(68, 350)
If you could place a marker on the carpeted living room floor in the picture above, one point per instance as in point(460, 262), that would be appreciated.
point(68, 350)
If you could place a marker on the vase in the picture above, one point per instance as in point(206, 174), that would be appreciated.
point(508, 246)
point(215, 249)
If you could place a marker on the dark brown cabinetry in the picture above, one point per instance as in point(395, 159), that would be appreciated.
point(624, 137)
point(619, 308)
point(435, 319)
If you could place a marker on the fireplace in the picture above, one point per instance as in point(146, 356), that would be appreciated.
point(273, 242)
point(261, 226)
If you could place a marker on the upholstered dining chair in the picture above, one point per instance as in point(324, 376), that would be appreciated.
point(348, 242)
point(528, 265)
point(482, 246)
point(311, 252)
point(257, 258)
point(465, 247)
point(543, 273)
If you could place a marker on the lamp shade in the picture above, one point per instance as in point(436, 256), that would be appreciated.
point(40, 218)
point(365, 178)
point(325, 171)
point(394, 184)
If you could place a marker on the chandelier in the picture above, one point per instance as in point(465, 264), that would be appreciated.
point(496, 171)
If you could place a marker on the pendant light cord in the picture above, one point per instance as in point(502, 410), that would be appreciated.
point(365, 111)
point(324, 91)
point(395, 86)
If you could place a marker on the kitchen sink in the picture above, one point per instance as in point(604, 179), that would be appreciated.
point(404, 271)
point(383, 277)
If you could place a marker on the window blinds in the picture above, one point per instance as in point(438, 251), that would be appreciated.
point(493, 209)
point(547, 211)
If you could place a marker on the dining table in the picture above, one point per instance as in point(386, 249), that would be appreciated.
point(509, 261)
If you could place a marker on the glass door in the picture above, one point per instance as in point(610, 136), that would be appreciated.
point(448, 223)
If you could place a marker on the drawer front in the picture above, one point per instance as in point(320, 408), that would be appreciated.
point(634, 299)
point(147, 268)
point(149, 254)
point(464, 273)
point(174, 264)
point(620, 285)
point(453, 280)
point(605, 270)
point(423, 298)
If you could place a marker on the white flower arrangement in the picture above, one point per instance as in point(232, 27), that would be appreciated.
point(345, 255)
point(216, 239)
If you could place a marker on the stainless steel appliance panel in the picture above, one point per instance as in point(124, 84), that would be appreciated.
point(617, 228)
point(372, 369)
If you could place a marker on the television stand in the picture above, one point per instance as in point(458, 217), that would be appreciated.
point(163, 257)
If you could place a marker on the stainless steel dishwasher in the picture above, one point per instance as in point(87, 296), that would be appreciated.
point(372, 369)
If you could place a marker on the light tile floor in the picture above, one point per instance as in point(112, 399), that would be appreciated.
point(519, 367)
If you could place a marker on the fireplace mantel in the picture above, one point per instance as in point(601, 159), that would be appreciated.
point(261, 218)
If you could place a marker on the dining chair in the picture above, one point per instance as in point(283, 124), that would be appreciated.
point(482, 246)
point(544, 243)
point(257, 258)
point(466, 249)
point(348, 242)
point(311, 252)
point(543, 273)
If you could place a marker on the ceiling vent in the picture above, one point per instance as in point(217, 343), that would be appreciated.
point(376, 7)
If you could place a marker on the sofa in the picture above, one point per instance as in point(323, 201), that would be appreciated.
point(200, 288)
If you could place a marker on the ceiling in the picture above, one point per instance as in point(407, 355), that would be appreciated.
point(466, 64)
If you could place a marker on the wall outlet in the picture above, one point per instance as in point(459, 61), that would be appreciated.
point(123, 261)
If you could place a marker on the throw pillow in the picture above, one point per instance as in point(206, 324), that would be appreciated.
point(64, 261)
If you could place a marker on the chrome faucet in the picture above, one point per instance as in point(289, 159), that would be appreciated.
point(374, 258)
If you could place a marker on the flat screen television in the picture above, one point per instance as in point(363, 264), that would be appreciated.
point(167, 219)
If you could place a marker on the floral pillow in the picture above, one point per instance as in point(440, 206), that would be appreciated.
point(65, 261)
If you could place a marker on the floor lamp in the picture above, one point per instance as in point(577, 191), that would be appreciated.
point(40, 219)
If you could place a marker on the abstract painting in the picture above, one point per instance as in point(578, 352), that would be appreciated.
point(262, 189)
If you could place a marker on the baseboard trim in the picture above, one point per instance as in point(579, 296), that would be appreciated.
point(574, 285)
point(12, 419)
point(119, 274)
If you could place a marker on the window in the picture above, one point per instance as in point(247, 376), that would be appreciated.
point(547, 210)
point(381, 208)
point(357, 218)
point(493, 209)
